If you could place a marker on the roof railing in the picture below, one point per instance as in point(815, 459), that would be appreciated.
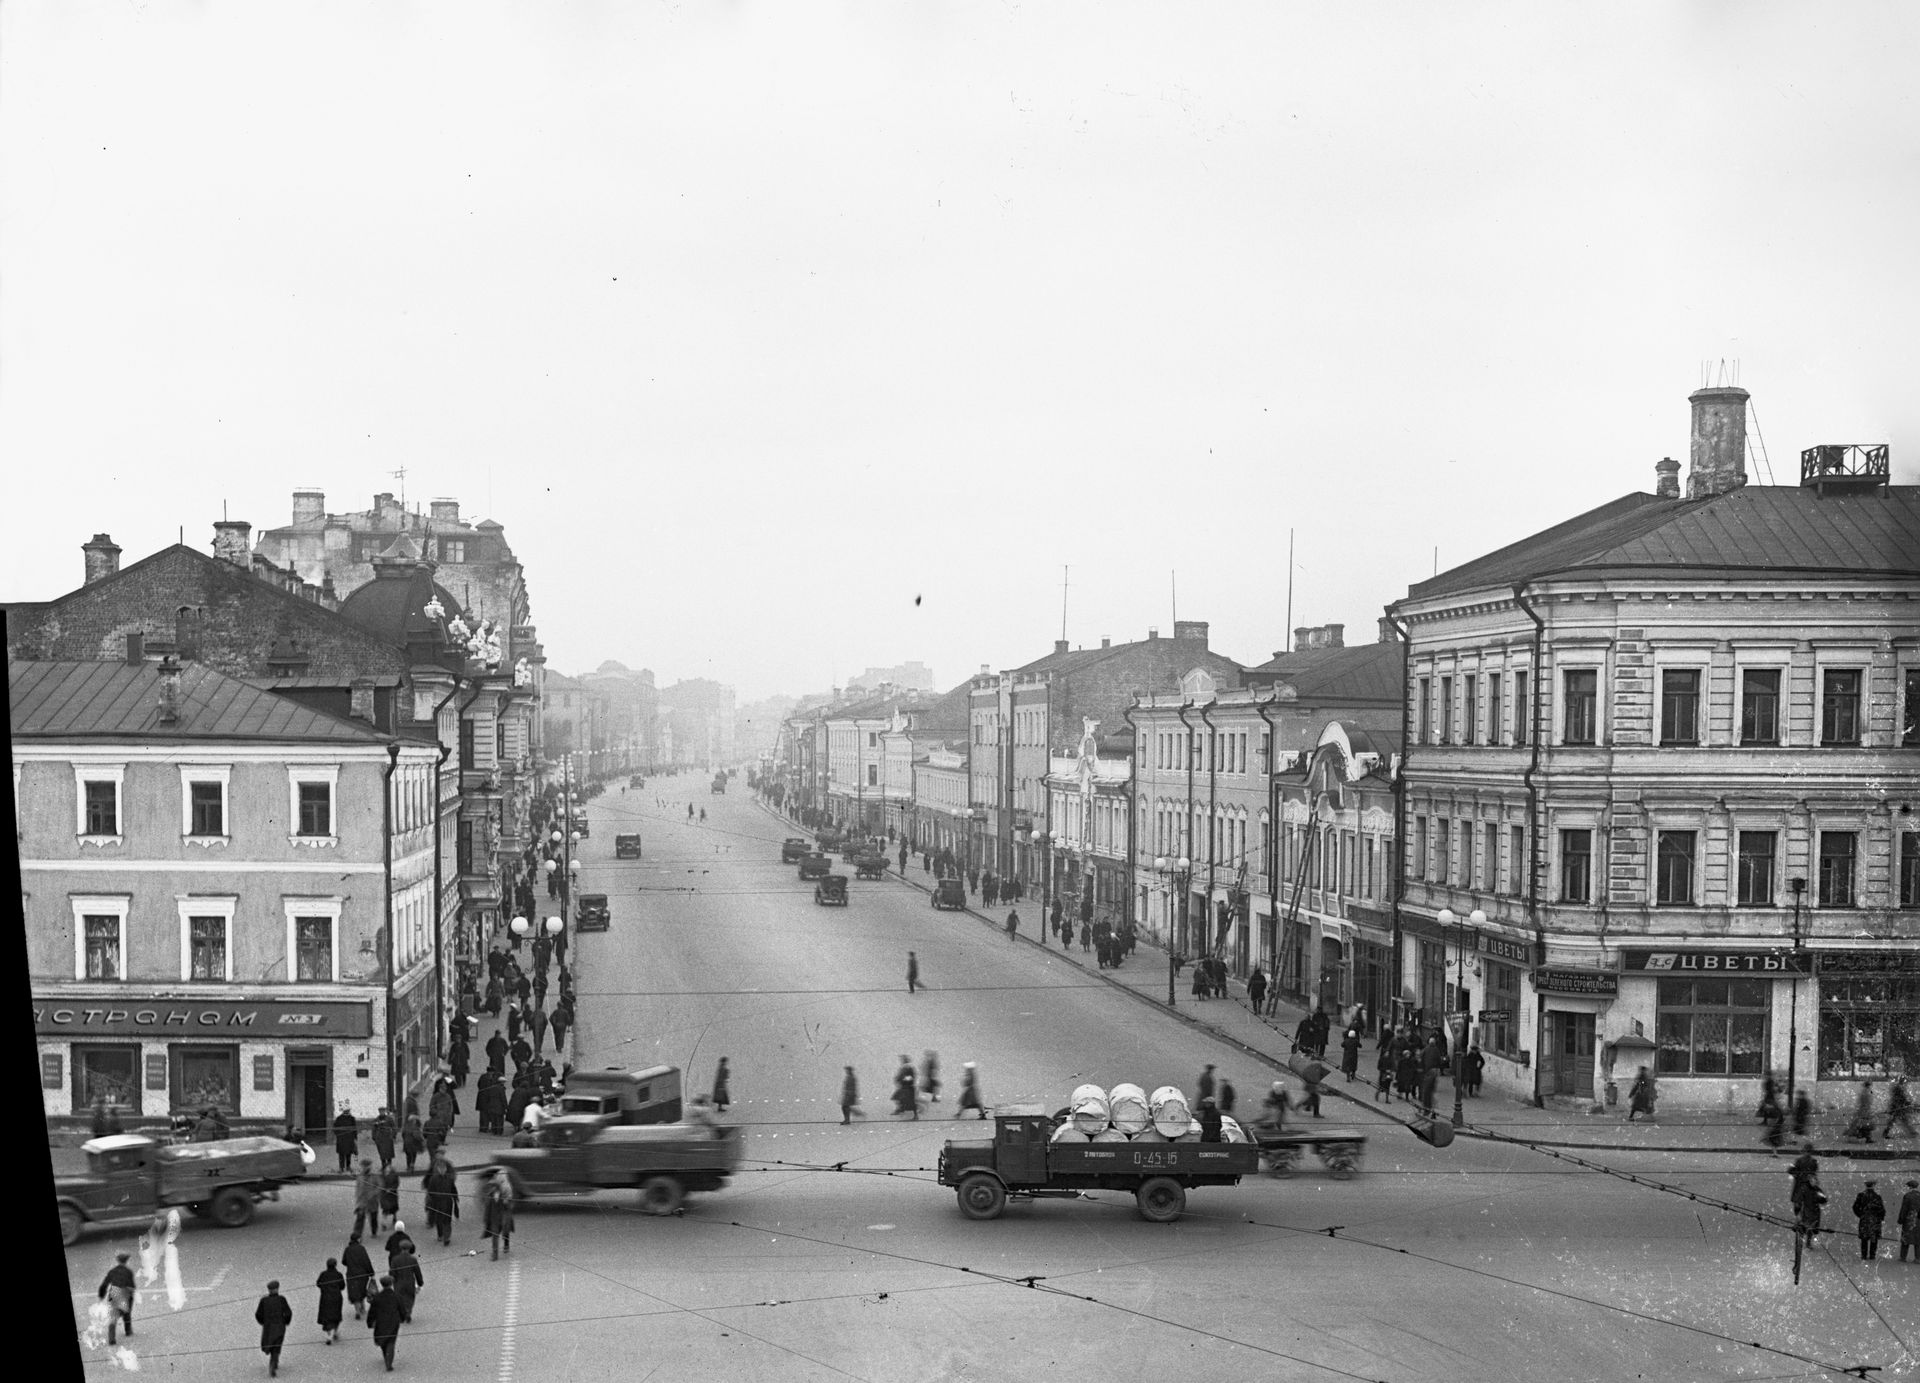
point(1845, 466)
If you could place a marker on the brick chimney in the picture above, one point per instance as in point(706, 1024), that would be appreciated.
point(360, 699)
point(1306, 638)
point(309, 506)
point(446, 513)
point(233, 542)
point(1152, 634)
point(1719, 441)
point(1388, 634)
point(169, 702)
point(1106, 642)
point(103, 558)
point(1668, 484)
point(1059, 646)
point(1191, 630)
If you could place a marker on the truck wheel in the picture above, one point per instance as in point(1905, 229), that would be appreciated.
point(231, 1207)
point(981, 1197)
point(661, 1196)
point(70, 1223)
point(1341, 1160)
point(1161, 1199)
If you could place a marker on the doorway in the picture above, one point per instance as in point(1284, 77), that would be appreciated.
point(310, 1093)
point(1569, 1053)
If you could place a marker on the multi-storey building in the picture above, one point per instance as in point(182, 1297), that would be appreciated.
point(696, 725)
point(228, 895)
point(1084, 852)
point(1661, 774)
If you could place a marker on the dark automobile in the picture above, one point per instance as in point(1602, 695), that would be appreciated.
point(870, 867)
point(831, 891)
point(793, 848)
point(949, 894)
point(591, 914)
point(627, 846)
point(815, 866)
point(636, 781)
point(580, 825)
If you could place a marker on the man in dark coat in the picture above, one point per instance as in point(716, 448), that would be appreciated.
point(849, 1096)
point(1256, 989)
point(1203, 1088)
point(359, 1274)
point(459, 1059)
point(562, 1020)
point(492, 1102)
point(436, 1136)
point(384, 1132)
point(346, 1137)
point(443, 1199)
point(413, 1138)
point(514, 1020)
point(1013, 924)
point(1871, 1212)
point(521, 1052)
point(1909, 1222)
point(404, 1268)
point(537, 1021)
point(332, 1285)
point(275, 1314)
point(384, 1315)
point(116, 1290)
point(497, 1054)
point(913, 972)
point(518, 1101)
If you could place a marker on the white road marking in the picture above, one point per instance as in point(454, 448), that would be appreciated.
point(220, 1276)
point(510, 1319)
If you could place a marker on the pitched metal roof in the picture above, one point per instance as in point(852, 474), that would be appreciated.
point(81, 699)
point(1365, 672)
point(1756, 528)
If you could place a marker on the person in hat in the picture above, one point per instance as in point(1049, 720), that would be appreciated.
point(274, 1314)
point(116, 1290)
point(1910, 1222)
point(1209, 1117)
point(1871, 1213)
point(332, 1284)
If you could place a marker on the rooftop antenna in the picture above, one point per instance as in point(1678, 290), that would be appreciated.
point(1173, 583)
point(1289, 623)
point(1064, 570)
point(401, 476)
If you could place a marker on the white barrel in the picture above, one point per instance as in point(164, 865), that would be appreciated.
point(1127, 1106)
point(1088, 1109)
point(1067, 1133)
point(1230, 1130)
point(1168, 1109)
point(1148, 1135)
point(1192, 1134)
point(1108, 1135)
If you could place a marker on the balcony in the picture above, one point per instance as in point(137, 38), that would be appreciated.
point(1844, 466)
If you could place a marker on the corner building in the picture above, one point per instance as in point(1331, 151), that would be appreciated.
point(1670, 751)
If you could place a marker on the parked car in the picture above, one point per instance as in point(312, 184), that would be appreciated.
point(580, 825)
point(627, 846)
point(831, 891)
point(591, 913)
point(815, 866)
point(793, 849)
point(636, 781)
point(949, 894)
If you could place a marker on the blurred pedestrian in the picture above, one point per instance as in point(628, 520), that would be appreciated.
point(1227, 1096)
point(1899, 1109)
point(499, 1211)
point(459, 1060)
point(1802, 1114)
point(970, 1090)
point(1473, 1068)
point(1203, 1088)
point(332, 1284)
point(443, 1198)
point(1256, 989)
point(913, 973)
point(384, 1315)
point(366, 1198)
point(1860, 1127)
point(1871, 1214)
point(358, 1266)
point(1013, 924)
point(721, 1097)
point(275, 1314)
point(1910, 1222)
point(906, 1098)
point(849, 1097)
point(1640, 1098)
point(384, 1131)
point(537, 1021)
point(930, 1076)
point(1383, 1073)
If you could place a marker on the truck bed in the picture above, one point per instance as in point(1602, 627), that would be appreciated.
point(1152, 1159)
point(188, 1170)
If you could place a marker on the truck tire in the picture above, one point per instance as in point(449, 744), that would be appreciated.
point(230, 1207)
point(981, 1197)
point(1161, 1199)
point(70, 1222)
point(661, 1195)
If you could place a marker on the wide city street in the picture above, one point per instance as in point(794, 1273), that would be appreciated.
point(835, 1256)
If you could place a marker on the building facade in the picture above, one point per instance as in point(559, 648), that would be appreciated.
point(1661, 775)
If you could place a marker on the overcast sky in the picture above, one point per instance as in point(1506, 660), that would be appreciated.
point(787, 339)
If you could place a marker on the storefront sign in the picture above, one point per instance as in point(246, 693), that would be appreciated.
point(156, 1071)
point(53, 1071)
point(1720, 962)
point(1496, 1015)
point(1868, 962)
point(1505, 948)
point(1596, 982)
point(202, 1018)
point(263, 1072)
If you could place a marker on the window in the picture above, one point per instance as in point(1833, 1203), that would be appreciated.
point(873, 775)
point(1433, 980)
point(1522, 711)
point(1446, 710)
point(1755, 883)
point(209, 815)
point(206, 948)
point(1516, 860)
point(313, 949)
point(1495, 681)
point(1712, 1027)
point(103, 808)
point(102, 948)
point(1840, 706)
point(1426, 710)
point(453, 551)
point(1443, 850)
point(1673, 877)
point(1837, 852)
point(1760, 706)
point(316, 809)
point(1420, 848)
point(1910, 869)
point(469, 758)
point(1503, 994)
point(1910, 711)
point(1470, 729)
point(1576, 866)
point(1582, 708)
point(1492, 835)
point(1680, 706)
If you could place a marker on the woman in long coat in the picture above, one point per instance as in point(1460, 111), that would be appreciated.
point(906, 1099)
point(333, 1287)
point(720, 1078)
point(359, 1274)
point(1407, 1072)
point(1350, 1054)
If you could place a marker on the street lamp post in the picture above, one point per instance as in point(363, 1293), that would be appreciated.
point(1042, 844)
point(1799, 887)
point(1457, 1020)
point(1174, 875)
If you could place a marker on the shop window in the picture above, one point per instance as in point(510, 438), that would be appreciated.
point(1838, 850)
point(106, 1072)
point(1680, 706)
point(1712, 1027)
point(1576, 866)
point(1582, 723)
point(1840, 706)
point(1503, 992)
point(1869, 1026)
point(1755, 883)
point(1673, 876)
point(205, 1077)
point(1760, 706)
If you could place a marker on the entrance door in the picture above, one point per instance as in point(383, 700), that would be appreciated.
point(309, 1098)
point(1569, 1053)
